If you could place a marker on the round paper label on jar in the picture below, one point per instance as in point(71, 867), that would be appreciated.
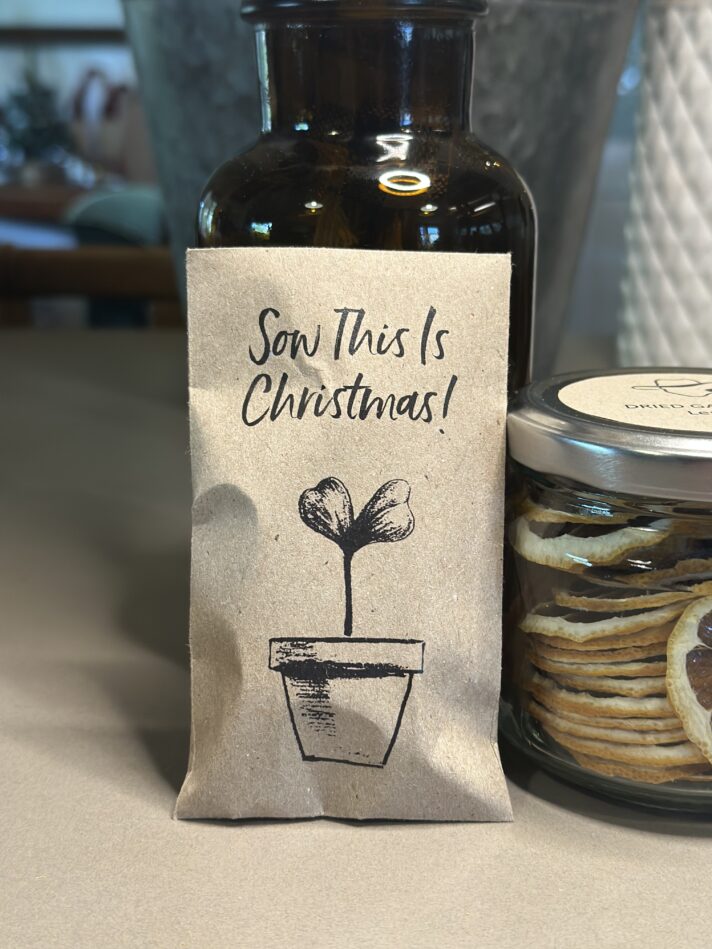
point(676, 400)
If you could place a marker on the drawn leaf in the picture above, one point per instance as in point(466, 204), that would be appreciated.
point(328, 510)
point(386, 518)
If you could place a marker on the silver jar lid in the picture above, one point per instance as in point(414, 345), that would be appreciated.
point(640, 432)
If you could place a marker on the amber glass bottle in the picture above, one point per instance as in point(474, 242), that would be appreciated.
point(367, 143)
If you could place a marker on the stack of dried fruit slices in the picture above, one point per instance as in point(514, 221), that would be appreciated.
point(616, 665)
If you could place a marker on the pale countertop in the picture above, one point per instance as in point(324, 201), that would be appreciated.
point(94, 533)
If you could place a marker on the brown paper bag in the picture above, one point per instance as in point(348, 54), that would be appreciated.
point(347, 436)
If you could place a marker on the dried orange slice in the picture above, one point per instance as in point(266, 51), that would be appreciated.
point(608, 685)
point(657, 775)
point(568, 667)
point(692, 574)
point(598, 602)
point(576, 654)
point(646, 756)
point(689, 674)
point(574, 553)
point(582, 626)
point(602, 730)
point(654, 636)
point(626, 724)
point(559, 699)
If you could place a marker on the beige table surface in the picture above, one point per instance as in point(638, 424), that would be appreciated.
point(94, 491)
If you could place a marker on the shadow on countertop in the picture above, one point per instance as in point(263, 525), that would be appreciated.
point(154, 615)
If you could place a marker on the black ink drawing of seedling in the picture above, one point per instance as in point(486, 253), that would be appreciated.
point(690, 388)
point(387, 518)
point(346, 696)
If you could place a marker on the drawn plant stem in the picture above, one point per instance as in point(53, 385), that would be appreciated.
point(348, 597)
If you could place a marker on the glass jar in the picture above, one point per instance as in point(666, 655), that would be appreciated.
point(608, 601)
point(367, 142)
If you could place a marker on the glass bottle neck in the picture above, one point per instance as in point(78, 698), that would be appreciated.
point(363, 77)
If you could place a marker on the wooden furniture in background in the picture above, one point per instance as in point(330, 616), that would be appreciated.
point(61, 36)
point(46, 202)
point(139, 273)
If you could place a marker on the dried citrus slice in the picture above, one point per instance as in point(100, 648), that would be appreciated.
point(581, 626)
point(599, 602)
point(655, 636)
point(645, 756)
point(626, 724)
point(693, 574)
point(619, 769)
point(613, 706)
point(619, 654)
point(689, 675)
point(654, 667)
point(604, 731)
point(636, 688)
point(574, 552)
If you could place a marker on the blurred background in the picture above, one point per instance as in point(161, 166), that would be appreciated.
point(105, 143)
point(81, 212)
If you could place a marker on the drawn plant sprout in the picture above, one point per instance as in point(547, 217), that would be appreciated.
point(346, 695)
point(691, 388)
point(386, 518)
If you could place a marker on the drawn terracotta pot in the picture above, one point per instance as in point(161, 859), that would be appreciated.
point(347, 696)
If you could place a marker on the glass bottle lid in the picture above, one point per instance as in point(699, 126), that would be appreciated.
point(644, 432)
